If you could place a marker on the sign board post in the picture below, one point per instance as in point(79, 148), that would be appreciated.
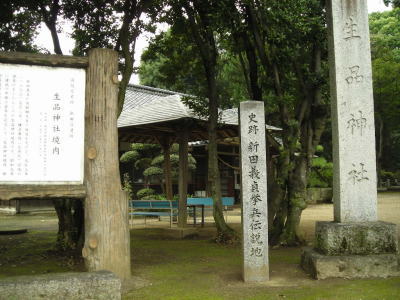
point(59, 139)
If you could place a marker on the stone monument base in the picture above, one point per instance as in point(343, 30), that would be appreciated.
point(353, 250)
point(100, 285)
point(361, 238)
point(349, 266)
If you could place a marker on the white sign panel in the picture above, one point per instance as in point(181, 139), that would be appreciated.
point(41, 124)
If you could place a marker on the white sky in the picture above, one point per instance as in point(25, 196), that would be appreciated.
point(44, 38)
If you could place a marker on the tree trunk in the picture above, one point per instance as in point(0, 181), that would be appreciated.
point(225, 234)
point(203, 36)
point(54, 36)
point(70, 224)
point(297, 192)
point(107, 241)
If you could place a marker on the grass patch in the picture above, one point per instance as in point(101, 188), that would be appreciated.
point(33, 253)
point(201, 269)
point(192, 269)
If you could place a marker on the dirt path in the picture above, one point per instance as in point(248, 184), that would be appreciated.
point(388, 211)
point(37, 222)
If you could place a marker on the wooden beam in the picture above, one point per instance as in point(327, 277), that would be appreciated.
point(166, 145)
point(183, 176)
point(24, 58)
point(228, 153)
point(19, 191)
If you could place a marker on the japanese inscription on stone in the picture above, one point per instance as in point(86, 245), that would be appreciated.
point(352, 112)
point(42, 126)
point(254, 191)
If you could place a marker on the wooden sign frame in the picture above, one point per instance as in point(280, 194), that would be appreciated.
point(107, 239)
point(35, 191)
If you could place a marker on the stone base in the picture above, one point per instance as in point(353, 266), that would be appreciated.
point(364, 238)
point(180, 233)
point(73, 286)
point(349, 266)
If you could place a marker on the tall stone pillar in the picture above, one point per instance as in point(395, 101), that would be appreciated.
point(355, 244)
point(254, 192)
point(354, 159)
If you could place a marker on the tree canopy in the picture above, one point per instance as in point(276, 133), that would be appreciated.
point(271, 51)
point(385, 42)
point(223, 52)
point(395, 3)
point(18, 27)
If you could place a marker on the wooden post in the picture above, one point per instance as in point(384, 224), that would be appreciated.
point(183, 177)
point(166, 145)
point(107, 241)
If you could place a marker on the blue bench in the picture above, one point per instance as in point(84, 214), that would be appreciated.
point(168, 208)
point(208, 202)
point(162, 208)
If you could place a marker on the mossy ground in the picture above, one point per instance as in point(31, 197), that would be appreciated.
point(201, 269)
point(191, 269)
point(196, 268)
point(32, 252)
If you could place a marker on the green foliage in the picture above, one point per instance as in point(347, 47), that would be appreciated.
point(149, 159)
point(156, 170)
point(385, 32)
point(385, 175)
point(18, 26)
point(321, 173)
point(395, 3)
point(385, 41)
point(159, 68)
point(319, 149)
point(146, 192)
point(129, 156)
point(392, 176)
point(158, 160)
point(153, 171)
point(143, 163)
point(148, 148)
point(198, 104)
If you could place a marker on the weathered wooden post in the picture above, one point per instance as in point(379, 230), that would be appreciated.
point(107, 240)
point(166, 146)
point(254, 192)
point(65, 144)
point(183, 176)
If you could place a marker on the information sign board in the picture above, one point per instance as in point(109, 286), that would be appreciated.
point(41, 124)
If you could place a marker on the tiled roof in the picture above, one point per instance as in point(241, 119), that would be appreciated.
point(147, 105)
point(156, 110)
point(138, 95)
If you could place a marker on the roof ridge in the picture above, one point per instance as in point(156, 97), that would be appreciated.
point(153, 89)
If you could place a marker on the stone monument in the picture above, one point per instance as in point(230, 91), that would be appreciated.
point(356, 244)
point(254, 192)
